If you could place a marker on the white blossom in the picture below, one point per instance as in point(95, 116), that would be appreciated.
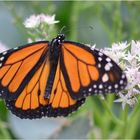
point(111, 53)
point(133, 75)
point(117, 51)
point(120, 46)
point(125, 99)
point(32, 22)
point(48, 19)
point(35, 20)
point(135, 48)
point(128, 55)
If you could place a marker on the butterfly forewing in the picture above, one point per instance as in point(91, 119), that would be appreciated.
point(18, 66)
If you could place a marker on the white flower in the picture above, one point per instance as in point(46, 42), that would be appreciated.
point(32, 22)
point(3, 47)
point(116, 52)
point(135, 48)
point(120, 46)
point(133, 75)
point(35, 20)
point(47, 19)
point(125, 99)
point(129, 57)
point(116, 55)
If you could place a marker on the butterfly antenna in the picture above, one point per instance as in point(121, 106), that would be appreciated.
point(62, 29)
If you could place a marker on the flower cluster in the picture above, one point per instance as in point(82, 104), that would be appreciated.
point(127, 56)
point(40, 27)
point(35, 20)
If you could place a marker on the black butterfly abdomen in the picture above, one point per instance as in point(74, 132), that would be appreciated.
point(54, 53)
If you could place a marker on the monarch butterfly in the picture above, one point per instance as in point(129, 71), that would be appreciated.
point(53, 78)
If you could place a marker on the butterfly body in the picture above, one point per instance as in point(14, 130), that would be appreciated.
point(53, 78)
point(54, 53)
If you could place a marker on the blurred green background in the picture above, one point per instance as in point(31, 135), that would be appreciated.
point(112, 21)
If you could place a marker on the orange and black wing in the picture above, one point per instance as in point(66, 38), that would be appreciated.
point(88, 71)
point(17, 67)
point(31, 103)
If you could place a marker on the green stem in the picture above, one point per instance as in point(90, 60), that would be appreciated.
point(133, 120)
point(109, 111)
point(135, 111)
point(76, 7)
point(125, 119)
point(4, 131)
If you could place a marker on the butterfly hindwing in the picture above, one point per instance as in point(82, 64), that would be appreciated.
point(31, 102)
point(87, 71)
point(18, 65)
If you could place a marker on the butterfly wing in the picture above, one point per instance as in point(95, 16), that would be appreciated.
point(18, 65)
point(87, 71)
point(31, 102)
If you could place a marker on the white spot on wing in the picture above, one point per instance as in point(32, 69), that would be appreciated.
point(100, 86)
point(108, 59)
point(107, 67)
point(99, 58)
point(1, 58)
point(4, 53)
point(105, 77)
point(110, 64)
point(93, 47)
point(110, 87)
point(94, 86)
point(121, 82)
point(15, 48)
point(99, 65)
point(90, 89)
point(116, 86)
point(123, 76)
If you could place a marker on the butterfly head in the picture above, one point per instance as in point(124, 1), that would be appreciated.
point(60, 38)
